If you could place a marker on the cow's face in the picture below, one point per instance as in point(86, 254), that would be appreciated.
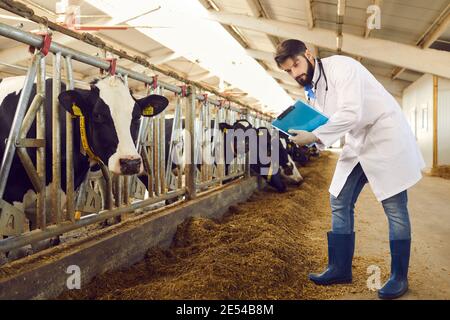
point(240, 133)
point(112, 119)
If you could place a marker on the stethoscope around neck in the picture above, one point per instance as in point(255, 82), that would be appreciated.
point(321, 71)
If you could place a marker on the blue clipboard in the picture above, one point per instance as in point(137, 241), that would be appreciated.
point(300, 116)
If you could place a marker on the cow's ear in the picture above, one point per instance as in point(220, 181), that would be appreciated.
point(223, 126)
point(73, 102)
point(242, 123)
point(152, 104)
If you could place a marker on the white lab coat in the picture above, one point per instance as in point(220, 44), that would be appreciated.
point(377, 134)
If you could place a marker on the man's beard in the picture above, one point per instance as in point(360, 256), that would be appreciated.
point(309, 75)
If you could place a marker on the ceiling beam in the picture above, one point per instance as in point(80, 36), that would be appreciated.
point(403, 55)
point(283, 76)
point(309, 14)
point(310, 24)
point(201, 76)
point(258, 11)
point(436, 29)
point(20, 53)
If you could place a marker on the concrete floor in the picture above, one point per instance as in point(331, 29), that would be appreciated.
point(429, 208)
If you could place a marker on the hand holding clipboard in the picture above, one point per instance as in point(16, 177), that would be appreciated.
point(300, 116)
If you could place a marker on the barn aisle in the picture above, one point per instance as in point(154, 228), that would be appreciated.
point(429, 208)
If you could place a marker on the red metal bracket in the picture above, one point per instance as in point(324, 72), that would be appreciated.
point(155, 82)
point(46, 42)
point(183, 90)
point(112, 65)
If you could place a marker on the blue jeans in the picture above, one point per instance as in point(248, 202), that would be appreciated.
point(342, 208)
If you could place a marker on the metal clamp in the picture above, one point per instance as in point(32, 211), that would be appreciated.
point(112, 65)
point(155, 82)
point(183, 91)
point(45, 47)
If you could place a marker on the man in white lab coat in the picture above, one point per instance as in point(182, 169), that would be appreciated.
point(380, 148)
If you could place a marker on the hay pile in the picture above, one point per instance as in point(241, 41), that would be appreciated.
point(262, 249)
point(442, 171)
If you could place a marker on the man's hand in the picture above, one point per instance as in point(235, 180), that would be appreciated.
point(302, 137)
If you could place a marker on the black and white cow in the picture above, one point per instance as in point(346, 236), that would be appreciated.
point(277, 169)
point(111, 115)
point(299, 155)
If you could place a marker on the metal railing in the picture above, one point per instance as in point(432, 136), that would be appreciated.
point(118, 194)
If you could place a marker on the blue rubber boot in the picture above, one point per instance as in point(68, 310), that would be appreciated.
point(340, 256)
point(397, 285)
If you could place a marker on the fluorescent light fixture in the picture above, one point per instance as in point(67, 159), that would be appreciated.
point(183, 26)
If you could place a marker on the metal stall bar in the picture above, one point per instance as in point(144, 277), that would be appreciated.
point(202, 141)
point(56, 141)
point(22, 143)
point(149, 154)
point(162, 148)
point(219, 144)
point(41, 153)
point(207, 141)
point(70, 194)
point(126, 179)
point(179, 165)
point(36, 41)
point(156, 149)
point(174, 139)
point(189, 145)
point(55, 230)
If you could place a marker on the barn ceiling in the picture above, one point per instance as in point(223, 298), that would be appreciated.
point(407, 26)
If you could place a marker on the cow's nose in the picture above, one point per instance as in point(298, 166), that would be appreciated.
point(130, 165)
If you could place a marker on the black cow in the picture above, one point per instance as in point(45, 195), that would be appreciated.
point(278, 169)
point(299, 155)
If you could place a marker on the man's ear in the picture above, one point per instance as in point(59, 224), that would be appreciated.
point(152, 105)
point(223, 126)
point(73, 102)
point(309, 56)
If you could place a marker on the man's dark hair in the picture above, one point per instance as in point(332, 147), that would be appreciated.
point(289, 49)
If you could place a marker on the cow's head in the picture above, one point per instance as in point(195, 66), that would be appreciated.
point(239, 134)
point(112, 117)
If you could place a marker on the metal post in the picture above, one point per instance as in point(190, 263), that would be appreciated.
point(189, 149)
point(208, 143)
point(162, 149)
point(179, 137)
point(10, 148)
point(40, 152)
point(155, 146)
point(117, 184)
point(219, 145)
point(108, 182)
point(70, 196)
point(56, 141)
point(149, 148)
point(173, 138)
point(202, 143)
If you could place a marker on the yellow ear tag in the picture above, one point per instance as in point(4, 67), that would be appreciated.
point(225, 130)
point(260, 133)
point(147, 111)
point(76, 110)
